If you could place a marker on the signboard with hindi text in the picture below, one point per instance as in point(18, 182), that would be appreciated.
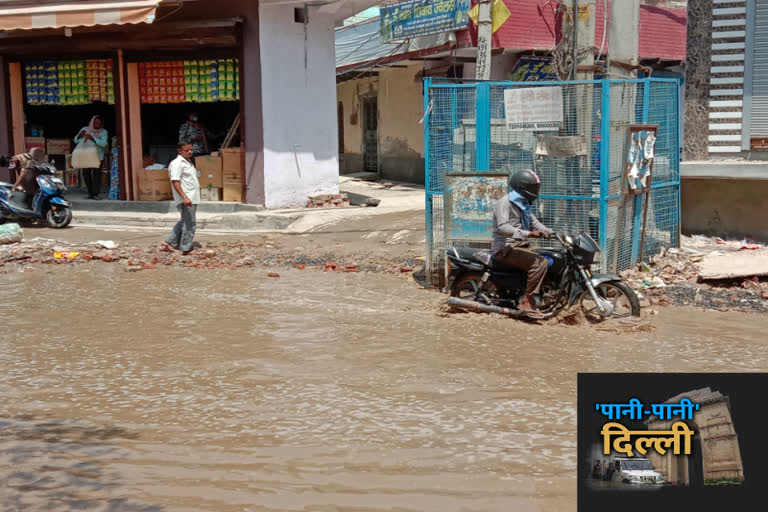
point(415, 18)
point(534, 108)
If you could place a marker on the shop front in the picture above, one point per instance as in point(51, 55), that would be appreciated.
point(151, 86)
point(259, 75)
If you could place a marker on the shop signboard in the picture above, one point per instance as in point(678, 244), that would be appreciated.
point(414, 18)
point(533, 69)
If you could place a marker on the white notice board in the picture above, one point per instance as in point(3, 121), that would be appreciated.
point(534, 108)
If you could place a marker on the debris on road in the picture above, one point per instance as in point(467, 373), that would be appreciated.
point(706, 272)
point(220, 255)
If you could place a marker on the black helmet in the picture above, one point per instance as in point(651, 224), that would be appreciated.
point(526, 183)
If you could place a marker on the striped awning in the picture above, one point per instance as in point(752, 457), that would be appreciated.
point(22, 15)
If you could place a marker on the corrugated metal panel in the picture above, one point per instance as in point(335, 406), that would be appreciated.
point(759, 117)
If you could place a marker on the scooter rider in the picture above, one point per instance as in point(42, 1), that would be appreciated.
point(513, 225)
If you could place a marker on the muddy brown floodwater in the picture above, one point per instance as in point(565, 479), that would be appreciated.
point(185, 390)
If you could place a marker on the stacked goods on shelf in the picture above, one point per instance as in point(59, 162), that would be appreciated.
point(162, 82)
point(42, 83)
point(100, 80)
point(229, 82)
point(211, 80)
point(73, 83)
point(70, 82)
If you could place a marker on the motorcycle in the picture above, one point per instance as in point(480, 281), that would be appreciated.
point(478, 283)
point(48, 202)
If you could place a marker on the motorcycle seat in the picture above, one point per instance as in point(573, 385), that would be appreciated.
point(474, 255)
point(5, 184)
point(18, 200)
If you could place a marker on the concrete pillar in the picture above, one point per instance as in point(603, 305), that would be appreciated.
point(251, 94)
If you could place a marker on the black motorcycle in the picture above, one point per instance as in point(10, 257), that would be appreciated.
point(477, 282)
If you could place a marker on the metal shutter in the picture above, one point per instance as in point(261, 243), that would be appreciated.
point(759, 117)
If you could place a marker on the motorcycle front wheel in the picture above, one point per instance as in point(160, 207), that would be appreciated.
point(59, 218)
point(620, 295)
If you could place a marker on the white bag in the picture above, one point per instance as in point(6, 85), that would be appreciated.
point(86, 156)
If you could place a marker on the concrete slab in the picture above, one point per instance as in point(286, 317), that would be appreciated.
point(733, 265)
point(725, 169)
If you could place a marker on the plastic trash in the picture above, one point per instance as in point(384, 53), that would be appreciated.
point(10, 233)
point(749, 243)
point(57, 255)
point(107, 244)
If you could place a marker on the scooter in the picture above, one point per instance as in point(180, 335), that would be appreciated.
point(48, 203)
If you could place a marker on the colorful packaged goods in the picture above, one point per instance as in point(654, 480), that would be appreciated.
point(100, 80)
point(42, 83)
point(162, 82)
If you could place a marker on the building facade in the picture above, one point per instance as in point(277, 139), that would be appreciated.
point(380, 92)
point(285, 78)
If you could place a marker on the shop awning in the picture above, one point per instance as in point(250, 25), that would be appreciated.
point(37, 14)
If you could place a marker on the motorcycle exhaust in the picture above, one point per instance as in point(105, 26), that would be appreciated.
point(484, 308)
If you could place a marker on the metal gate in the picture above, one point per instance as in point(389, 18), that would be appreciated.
point(470, 153)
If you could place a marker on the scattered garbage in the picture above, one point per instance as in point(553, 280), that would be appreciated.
point(57, 255)
point(706, 272)
point(107, 244)
point(228, 255)
point(11, 233)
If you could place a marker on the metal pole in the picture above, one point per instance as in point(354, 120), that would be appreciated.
point(623, 35)
point(583, 55)
point(484, 33)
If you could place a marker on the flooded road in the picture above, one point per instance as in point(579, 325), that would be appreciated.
point(188, 390)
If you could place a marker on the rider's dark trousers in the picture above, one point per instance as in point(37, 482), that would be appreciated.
point(519, 256)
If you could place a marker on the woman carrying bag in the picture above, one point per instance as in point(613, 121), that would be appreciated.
point(89, 153)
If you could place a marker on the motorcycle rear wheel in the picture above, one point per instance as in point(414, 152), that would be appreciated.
point(624, 300)
point(467, 284)
point(59, 218)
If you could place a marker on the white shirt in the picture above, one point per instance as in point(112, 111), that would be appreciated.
point(183, 171)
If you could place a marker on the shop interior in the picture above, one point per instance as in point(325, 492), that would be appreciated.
point(160, 125)
point(61, 97)
point(55, 122)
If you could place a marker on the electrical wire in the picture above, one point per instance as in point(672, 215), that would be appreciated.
point(177, 9)
point(365, 66)
point(374, 35)
point(605, 30)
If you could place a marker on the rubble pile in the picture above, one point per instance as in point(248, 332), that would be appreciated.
point(673, 277)
point(221, 255)
point(328, 201)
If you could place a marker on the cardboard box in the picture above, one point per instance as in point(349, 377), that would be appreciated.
point(34, 142)
point(233, 192)
point(57, 146)
point(154, 185)
point(210, 194)
point(231, 164)
point(209, 168)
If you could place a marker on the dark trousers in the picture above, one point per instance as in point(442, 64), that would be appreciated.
point(525, 259)
point(92, 179)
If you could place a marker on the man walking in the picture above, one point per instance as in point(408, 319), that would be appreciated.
point(186, 195)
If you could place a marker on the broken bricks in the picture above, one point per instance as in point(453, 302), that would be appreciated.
point(328, 201)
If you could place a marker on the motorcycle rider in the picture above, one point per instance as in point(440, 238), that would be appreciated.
point(27, 178)
point(513, 225)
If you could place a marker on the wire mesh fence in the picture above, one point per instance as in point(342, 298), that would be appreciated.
point(581, 165)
